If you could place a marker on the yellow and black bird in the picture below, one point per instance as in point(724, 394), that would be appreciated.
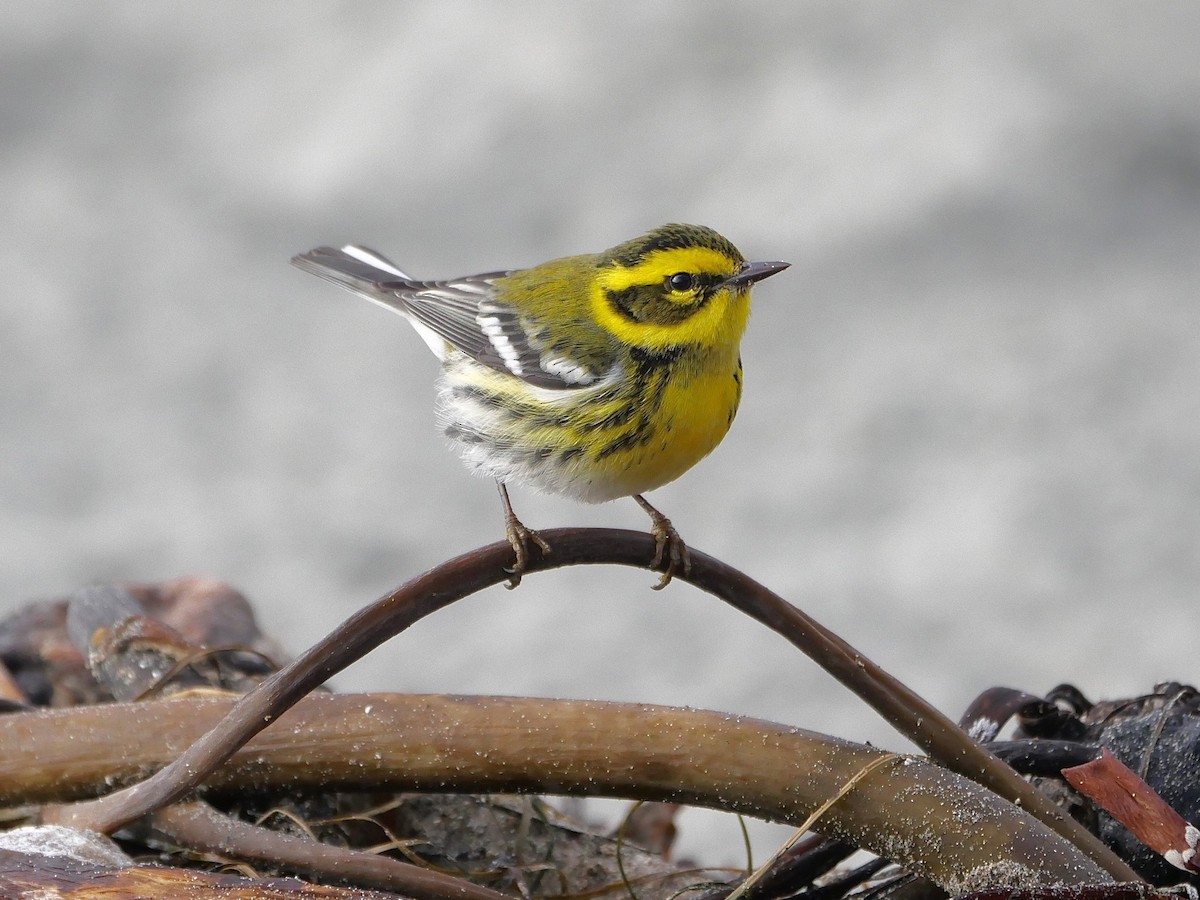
point(597, 376)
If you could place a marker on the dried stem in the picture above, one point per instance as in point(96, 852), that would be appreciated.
point(198, 826)
point(473, 571)
point(929, 820)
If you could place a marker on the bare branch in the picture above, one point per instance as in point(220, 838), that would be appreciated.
point(473, 571)
point(939, 824)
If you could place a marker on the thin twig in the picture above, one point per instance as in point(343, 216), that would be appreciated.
point(198, 826)
point(936, 823)
point(473, 571)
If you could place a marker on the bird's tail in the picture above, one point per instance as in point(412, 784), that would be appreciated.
point(363, 271)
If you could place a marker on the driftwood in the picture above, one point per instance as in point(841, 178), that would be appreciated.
point(934, 822)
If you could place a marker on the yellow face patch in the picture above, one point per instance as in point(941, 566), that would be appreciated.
point(703, 313)
point(719, 323)
point(662, 264)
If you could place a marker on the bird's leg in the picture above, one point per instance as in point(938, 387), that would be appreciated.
point(520, 538)
point(667, 543)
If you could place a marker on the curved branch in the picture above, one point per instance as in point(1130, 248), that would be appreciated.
point(473, 571)
point(934, 822)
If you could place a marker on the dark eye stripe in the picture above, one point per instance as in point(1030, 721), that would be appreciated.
point(645, 303)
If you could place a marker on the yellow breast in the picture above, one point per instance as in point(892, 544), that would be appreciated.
point(692, 417)
point(627, 437)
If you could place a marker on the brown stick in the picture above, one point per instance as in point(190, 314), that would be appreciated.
point(939, 824)
point(473, 571)
point(198, 826)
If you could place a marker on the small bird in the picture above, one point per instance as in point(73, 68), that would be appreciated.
point(598, 376)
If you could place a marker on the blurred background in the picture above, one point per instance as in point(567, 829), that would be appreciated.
point(970, 437)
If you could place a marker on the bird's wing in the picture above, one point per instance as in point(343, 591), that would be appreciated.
point(463, 312)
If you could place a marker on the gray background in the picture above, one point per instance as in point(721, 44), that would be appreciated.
point(969, 439)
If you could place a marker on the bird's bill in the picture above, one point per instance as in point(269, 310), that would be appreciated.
point(754, 271)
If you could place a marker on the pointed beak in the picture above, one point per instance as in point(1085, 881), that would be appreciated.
point(754, 271)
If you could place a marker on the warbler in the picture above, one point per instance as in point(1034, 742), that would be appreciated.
point(598, 376)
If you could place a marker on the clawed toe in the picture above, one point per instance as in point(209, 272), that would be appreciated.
point(668, 545)
point(521, 539)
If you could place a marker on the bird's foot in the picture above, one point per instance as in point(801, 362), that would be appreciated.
point(521, 539)
point(668, 545)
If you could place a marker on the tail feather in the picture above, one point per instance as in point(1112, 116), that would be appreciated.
point(373, 277)
point(350, 266)
point(378, 260)
point(357, 269)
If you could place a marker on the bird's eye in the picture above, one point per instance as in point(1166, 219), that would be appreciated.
point(682, 281)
